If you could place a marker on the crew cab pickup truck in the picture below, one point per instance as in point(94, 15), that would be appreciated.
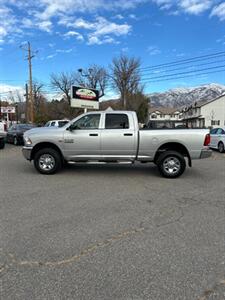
point(114, 137)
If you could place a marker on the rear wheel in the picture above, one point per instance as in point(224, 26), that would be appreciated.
point(221, 147)
point(171, 164)
point(47, 161)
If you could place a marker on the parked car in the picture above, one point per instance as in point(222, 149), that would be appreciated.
point(3, 127)
point(15, 133)
point(218, 139)
point(114, 137)
point(56, 123)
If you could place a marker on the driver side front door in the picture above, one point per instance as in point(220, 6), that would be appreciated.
point(83, 140)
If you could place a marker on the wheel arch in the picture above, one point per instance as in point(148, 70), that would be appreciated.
point(43, 145)
point(173, 146)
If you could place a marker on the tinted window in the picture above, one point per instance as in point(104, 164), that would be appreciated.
point(52, 124)
point(13, 127)
point(62, 123)
point(116, 121)
point(25, 126)
point(220, 131)
point(213, 131)
point(87, 122)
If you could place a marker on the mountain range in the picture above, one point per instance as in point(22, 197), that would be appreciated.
point(180, 97)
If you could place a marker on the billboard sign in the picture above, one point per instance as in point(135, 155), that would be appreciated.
point(8, 110)
point(82, 97)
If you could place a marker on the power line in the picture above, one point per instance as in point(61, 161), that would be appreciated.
point(182, 73)
point(186, 61)
point(186, 76)
point(182, 68)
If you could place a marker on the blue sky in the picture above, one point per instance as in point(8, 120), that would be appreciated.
point(71, 34)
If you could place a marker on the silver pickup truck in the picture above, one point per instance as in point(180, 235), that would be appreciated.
point(114, 137)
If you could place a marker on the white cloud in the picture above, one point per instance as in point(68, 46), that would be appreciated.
point(74, 34)
point(133, 16)
point(195, 7)
point(101, 30)
point(11, 91)
point(119, 17)
point(45, 26)
point(153, 50)
point(51, 56)
point(104, 27)
point(94, 40)
point(81, 23)
point(64, 50)
point(219, 11)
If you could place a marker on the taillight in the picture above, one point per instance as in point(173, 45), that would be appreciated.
point(207, 140)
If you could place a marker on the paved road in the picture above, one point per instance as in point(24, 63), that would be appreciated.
point(111, 232)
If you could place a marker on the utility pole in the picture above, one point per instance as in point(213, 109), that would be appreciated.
point(27, 104)
point(30, 108)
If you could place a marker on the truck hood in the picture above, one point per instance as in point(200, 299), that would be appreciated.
point(43, 131)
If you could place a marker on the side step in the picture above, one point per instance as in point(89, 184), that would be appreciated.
point(101, 162)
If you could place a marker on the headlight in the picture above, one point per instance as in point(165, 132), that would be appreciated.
point(27, 141)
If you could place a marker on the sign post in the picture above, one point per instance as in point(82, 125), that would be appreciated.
point(82, 97)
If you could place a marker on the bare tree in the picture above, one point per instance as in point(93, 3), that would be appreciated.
point(94, 77)
point(126, 76)
point(38, 96)
point(63, 82)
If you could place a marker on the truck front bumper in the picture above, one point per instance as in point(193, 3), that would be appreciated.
point(205, 153)
point(27, 152)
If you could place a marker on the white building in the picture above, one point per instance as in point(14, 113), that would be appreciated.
point(165, 116)
point(206, 114)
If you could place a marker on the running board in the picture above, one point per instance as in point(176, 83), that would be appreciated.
point(101, 162)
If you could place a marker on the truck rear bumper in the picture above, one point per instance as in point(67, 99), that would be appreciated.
point(27, 152)
point(205, 153)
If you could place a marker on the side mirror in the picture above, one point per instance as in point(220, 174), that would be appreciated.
point(70, 128)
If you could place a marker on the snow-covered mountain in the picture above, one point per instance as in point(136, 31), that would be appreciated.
point(185, 96)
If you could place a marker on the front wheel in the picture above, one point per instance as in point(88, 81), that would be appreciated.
point(47, 161)
point(221, 147)
point(171, 164)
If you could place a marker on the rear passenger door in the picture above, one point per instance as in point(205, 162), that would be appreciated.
point(118, 139)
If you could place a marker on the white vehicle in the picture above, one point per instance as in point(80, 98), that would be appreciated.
point(2, 134)
point(56, 123)
point(218, 139)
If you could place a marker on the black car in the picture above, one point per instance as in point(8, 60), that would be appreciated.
point(16, 131)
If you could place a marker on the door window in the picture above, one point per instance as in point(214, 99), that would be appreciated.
point(87, 122)
point(220, 131)
point(213, 131)
point(116, 121)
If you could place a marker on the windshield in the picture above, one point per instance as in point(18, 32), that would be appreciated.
point(25, 126)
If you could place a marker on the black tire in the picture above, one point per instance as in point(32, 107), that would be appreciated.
point(2, 143)
point(221, 147)
point(47, 161)
point(171, 164)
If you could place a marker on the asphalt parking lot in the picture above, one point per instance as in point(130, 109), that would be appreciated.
point(111, 232)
